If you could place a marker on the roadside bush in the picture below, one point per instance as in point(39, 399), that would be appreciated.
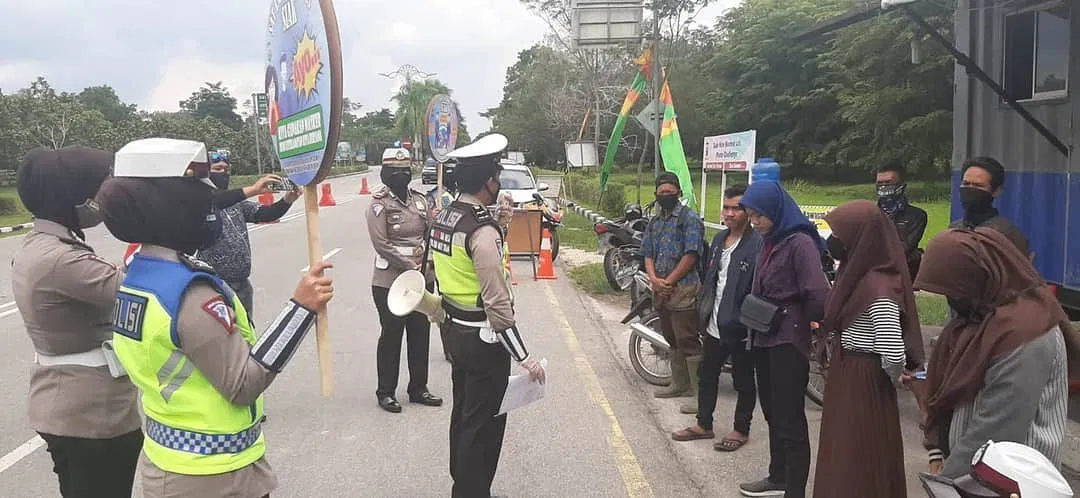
point(8, 206)
point(586, 191)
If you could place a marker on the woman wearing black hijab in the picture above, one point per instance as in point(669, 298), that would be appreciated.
point(65, 294)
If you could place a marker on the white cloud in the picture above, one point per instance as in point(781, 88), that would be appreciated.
point(16, 74)
point(182, 76)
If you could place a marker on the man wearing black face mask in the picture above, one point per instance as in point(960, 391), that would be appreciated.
point(983, 181)
point(910, 220)
point(230, 255)
point(397, 221)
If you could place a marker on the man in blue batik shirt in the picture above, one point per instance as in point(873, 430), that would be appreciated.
point(671, 246)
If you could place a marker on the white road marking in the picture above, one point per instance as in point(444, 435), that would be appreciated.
point(21, 452)
point(324, 258)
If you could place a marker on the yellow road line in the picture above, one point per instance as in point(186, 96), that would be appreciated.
point(632, 475)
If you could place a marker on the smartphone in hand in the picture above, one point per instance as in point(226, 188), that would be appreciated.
point(286, 185)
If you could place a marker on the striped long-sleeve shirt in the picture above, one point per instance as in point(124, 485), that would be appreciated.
point(1025, 398)
point(877, 331)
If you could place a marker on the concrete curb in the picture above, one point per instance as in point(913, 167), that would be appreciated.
point(16, 228)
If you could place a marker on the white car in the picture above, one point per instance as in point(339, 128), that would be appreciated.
point(519, 181)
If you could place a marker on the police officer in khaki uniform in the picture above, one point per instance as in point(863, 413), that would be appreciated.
point(397, 222)
point(467, 245)
point(184, 337)
point(65, 294)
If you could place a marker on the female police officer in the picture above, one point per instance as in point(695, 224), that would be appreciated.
point(397, 222)
point(182, 334)
point(65, 294)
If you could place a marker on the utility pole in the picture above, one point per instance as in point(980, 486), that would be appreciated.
point(256, 122)
point(408, 72)
point(656, 87)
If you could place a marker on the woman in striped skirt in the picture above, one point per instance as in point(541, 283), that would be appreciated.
point(871, 309)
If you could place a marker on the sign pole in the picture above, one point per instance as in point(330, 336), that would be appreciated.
point(305, 105)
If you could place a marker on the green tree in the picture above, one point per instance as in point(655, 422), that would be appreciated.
point(213, 100)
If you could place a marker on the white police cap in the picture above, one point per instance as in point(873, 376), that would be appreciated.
point(163, 158)
point(488, 145)
point(395, 154)
point(1008, 467)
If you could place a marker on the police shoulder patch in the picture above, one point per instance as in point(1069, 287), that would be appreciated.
point(129, 311)
point(376, 208)
point(220, 311)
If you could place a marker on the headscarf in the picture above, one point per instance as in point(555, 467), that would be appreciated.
point(773, 202)
point(875, 268)
point(1015, 307)
point(52, 182)
point(168, 212)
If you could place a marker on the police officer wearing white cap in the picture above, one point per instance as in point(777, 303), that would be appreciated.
point(183, 336)
point(397, 221)
point(466, 245)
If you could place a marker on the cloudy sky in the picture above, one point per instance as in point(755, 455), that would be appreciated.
point(157, 52)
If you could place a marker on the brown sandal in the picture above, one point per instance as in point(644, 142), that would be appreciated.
point(692, 433)
point(728, 444)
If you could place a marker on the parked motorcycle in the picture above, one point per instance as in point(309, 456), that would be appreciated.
point(619, 240)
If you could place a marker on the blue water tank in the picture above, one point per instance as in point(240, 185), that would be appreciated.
point(765, 170)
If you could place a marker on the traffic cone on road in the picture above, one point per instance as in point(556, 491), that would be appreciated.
point(266, 200)
point(327, 198)
point(547, 266)
point(363, 186)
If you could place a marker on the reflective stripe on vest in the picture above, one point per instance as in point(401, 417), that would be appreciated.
point(191, 428)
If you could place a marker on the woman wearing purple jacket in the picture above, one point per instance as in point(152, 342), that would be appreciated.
point(788, 274)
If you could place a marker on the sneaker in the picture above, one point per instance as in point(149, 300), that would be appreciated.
point(764, 487)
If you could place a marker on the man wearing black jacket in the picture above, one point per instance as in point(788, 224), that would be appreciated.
point(910, 220)
point(730, 275)
point(231, 254)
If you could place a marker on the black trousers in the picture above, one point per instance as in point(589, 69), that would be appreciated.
point(388, 353)
point(480, 374)
point(95, 468)
point(742, 375)
point(782, 374)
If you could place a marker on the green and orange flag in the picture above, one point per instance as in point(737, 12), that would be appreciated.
point(671, 148)
point(637, 87)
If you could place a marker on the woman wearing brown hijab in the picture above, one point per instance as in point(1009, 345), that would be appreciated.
point(872, 309)
point(1000, 369)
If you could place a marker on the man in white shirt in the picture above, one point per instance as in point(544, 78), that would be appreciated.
point(730, 276)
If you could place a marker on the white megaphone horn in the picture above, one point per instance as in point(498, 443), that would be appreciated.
point(408, 293)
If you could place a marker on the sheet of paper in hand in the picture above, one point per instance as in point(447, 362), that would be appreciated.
point(521, 391)
point(303, 86)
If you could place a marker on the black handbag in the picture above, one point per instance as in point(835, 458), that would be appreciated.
point(759, 314)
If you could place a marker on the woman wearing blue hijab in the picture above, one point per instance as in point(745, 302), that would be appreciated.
point(789, 275)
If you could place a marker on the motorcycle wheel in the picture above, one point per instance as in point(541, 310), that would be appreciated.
point(619, 277)
point(650, 362)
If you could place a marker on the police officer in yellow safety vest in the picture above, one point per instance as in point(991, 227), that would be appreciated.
point(182, 334)
point(86, 412)
point(397, 221)
point(467, 247)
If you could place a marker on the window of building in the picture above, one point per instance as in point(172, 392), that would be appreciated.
point(1037, 52)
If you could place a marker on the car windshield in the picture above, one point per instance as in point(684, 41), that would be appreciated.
point(515, 180)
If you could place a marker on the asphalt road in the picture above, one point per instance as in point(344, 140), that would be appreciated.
point(593, 435)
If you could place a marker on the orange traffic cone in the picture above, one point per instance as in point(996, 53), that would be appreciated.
point(266, 200)
point(547, 267)
point(363, 186)
point(129, 254)
point(327, 197)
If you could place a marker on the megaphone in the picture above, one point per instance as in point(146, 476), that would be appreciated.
point(409, 293)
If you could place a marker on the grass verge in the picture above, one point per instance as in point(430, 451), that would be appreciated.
point(590, 277)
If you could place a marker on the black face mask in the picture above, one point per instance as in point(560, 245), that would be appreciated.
point(221, 180)
point(836, 248)
point(978, 204)
point(397, 179)
point(667, 202)
point(208, 233)
point(892, 198)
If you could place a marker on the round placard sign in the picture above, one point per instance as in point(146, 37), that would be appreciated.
point(442, 126)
